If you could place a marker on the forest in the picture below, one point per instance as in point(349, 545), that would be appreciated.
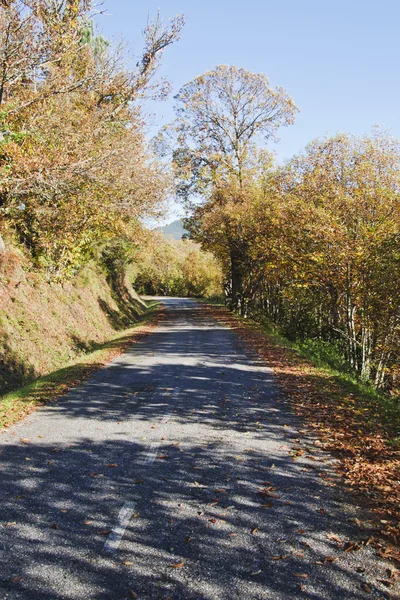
point(311, 247)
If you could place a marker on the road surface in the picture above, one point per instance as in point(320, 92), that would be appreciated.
point(177, 473)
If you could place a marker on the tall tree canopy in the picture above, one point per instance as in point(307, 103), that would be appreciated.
point(223, 119)
point(75, 170)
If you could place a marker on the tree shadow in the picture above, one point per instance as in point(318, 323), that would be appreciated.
point(128, 310)
point(13, 371)
point(223, 476)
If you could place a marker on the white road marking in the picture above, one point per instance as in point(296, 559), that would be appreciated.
point(152, 451)
point(154, 446)
point(115, 537)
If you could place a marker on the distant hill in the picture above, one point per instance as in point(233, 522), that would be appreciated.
point(175, 229)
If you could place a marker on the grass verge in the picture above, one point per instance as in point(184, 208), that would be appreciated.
point(354, 422)
point(16, 405)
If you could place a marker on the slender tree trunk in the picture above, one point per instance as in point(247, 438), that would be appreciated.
point(366, 347)
point(350, 326)
point(380, 370)
point(236, 278)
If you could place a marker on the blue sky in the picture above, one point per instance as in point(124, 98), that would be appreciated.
point(339, 60)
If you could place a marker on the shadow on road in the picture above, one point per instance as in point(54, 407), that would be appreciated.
point(231, 491)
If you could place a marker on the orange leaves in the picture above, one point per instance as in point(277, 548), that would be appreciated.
point(179, 565)
point(368, 461)
point(254, 531)
point(268, 492)
point(334, 537)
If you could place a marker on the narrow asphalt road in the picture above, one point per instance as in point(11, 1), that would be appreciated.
point(177, 473)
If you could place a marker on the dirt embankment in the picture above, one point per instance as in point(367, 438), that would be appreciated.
point(44, 326)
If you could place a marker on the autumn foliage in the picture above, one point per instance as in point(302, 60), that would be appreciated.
point(312, 246)
point(169, 267)
point(75, 169)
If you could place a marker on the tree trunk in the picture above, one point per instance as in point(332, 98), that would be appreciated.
point(350, 325)
point(236, 278)
point(366, 347)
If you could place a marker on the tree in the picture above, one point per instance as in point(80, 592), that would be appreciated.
point(75, 169)
point(223, 116)
point(322, 256)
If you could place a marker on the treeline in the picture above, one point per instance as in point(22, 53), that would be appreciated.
point(76, 174)
point(312, 246)
point(168, 267)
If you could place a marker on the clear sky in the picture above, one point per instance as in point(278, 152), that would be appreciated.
point(338, 59)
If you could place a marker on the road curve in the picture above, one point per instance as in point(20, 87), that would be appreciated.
point(177, 473)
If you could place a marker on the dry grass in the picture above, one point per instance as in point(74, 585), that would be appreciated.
point(18, 404)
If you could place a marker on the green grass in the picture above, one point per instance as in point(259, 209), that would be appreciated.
point(17, 404)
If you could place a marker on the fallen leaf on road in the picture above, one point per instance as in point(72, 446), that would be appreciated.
point(178, 565)
point(351, 547)
point(127, 563)
point(16, 579)
point(232, 534)
point(137, 481)
point(213, 520)
point(366, 588)
point(162, 456)
point(301, 575)
point(11, 524)
point(386, 582)
point(253, 531)
point(25, 440)
point(112, 465)
point(88, 522)
point(334, 537)
point(132, 595)
point(280, 557)
point(54, 526)
point(104, 532)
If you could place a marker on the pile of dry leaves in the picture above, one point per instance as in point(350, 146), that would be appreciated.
point(369, 463)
